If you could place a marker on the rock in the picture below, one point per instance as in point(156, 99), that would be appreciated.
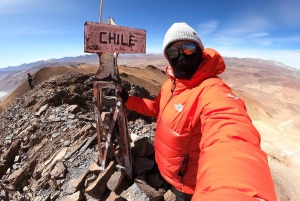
point(18, 196)
point(74, 197)
point(134, 193)
point(54, 135)
point(59, 171)
point(77, 183)
point(146, 129)
point(67, 143)
point(3, 193)
point(155, 180)
point(114, 197)
point(60, 182)
point(86, 118)
point(140, 191)
point(7, 171)
point(99, 187)
point(71, 116)
point(30, 196)
point(54, 196)
point(15, 166)
point(90, 179)
point(134, 137)
point(142, 165)
point(41, 110)
point(51, 117)
point(9, 156)
point(94, 168)
point(25, 189)
point(150, 149)
point(142, 184)
point(73, 109)
point(56, 119)
point(8, 137)
point(29, 130)
point(169, 196)
point(140, 146)
point(115, 180)
point(38, 198)
point(52, 184)
point(16, 177)
point(17, 159)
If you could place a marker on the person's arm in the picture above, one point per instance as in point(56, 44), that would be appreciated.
point(144, 106)
point(232, 165)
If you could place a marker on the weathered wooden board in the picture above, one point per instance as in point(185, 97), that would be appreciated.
point(99, 37)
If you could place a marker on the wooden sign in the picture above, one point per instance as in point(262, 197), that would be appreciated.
point(99, 37)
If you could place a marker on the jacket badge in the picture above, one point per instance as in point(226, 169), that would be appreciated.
point(178, 107)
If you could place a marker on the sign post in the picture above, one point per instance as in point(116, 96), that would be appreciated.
point(108, 40)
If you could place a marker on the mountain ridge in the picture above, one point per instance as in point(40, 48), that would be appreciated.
point(12, 77)
point(93, 59)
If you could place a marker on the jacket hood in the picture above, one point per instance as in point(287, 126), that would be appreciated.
point(211, 66)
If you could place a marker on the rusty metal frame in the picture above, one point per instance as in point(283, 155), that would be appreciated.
point(107, 76)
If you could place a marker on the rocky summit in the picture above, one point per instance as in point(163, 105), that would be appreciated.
point(49, 149)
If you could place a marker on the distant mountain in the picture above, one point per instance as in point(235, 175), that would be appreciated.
point(13, 76)
point(65, 61)
point(123, 59)
point(71, 61)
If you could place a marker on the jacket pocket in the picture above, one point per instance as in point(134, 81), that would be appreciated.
point(183, 166)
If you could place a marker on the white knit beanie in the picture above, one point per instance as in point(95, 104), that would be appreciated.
point(181, 31)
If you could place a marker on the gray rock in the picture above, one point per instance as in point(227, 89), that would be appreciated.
point(71, 116)
point(74, 109)
point(3, 193)
point(41, 110)
point(54, 135)
point(17, 159)
point(57, 119)
point(67, 143)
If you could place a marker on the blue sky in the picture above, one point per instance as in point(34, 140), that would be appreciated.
point(32, 30)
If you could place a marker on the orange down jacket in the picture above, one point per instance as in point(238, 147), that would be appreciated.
point(205, 142)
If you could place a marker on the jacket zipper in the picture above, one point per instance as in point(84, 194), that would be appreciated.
point(172, 90)
point(182, 168)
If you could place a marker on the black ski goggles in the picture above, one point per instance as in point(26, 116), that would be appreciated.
point(186, 49)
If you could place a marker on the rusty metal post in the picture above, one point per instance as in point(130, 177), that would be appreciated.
point(107, 41)
point(101, 8)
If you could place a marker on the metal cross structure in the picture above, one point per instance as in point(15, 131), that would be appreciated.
point(108, 40)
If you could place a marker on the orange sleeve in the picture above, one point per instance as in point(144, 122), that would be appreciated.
point(231, 165)
point(144, 106)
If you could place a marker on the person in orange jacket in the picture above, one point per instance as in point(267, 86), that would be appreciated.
point(206, 146)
